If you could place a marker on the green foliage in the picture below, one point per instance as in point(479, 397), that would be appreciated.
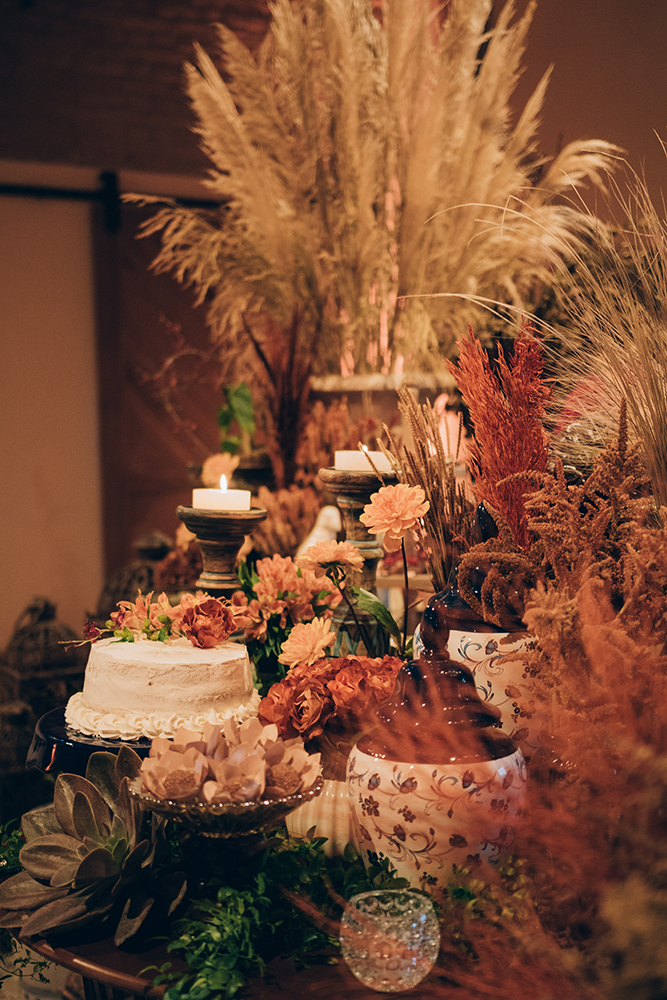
point(11, 842)
point(258, 909)
point(372, 605)
point(16, 961)
point(238, 407)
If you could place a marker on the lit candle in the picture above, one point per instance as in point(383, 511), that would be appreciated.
point(356, 461)
point(222, 499)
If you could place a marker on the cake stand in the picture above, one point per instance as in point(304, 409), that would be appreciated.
point(56, 747)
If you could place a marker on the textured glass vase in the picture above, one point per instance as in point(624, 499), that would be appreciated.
point(390, 938)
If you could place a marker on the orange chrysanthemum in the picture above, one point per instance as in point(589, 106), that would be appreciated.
point(395, 510)
point(321, 555)
point(307, 642)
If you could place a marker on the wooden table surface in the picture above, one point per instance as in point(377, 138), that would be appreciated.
point(102, 962)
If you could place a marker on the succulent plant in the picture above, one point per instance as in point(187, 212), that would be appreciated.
point(88, 859)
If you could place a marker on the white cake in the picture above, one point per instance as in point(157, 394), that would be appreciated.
point(147, 688)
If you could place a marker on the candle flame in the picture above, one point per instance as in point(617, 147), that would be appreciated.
point(223, 482)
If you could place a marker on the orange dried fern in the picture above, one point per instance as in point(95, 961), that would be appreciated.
point(507, 410)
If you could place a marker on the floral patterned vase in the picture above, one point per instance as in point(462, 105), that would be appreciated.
point(494, 657)
point(435, 783)
point(502, 678)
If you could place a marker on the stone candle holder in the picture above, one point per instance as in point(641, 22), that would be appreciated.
point(220, 535)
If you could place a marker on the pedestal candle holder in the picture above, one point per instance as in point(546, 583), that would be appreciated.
point(220, 535)
point(352, 491)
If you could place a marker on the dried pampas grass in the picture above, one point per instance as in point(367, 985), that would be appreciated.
point(612, 340)
point(363, 168)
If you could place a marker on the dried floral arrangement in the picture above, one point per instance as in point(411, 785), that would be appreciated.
point(236, 764)
point(447, 528)
point(363, 166)
point(610, 341)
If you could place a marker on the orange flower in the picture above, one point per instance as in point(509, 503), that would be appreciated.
point(307, 642)
point(364, 683)
point(321, 555)
point(207, 623)
point(394, 510)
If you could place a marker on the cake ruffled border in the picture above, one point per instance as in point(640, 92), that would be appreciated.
point(132, 725)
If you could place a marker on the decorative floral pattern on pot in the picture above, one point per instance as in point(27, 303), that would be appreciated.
point(427, 817)
point(502, 679)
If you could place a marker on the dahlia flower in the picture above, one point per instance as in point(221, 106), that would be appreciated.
point(307, 642)
point(395, 510)
point(322, 555)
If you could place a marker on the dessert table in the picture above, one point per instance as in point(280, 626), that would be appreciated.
point(110, 973)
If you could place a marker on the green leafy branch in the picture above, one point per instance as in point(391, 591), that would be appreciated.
point(286, 902)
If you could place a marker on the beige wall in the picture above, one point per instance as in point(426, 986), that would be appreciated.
point(50, 522)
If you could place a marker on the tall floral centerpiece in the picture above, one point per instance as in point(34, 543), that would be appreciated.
point(277, 597)
point(370, 187)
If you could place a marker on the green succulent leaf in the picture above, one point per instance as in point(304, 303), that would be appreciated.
point(140, 856)
point(128, 811)
point(171, 890)
point(135, 911)
point(95, 867)
point(23, 892)
point(55, 915)
point(120, 849)
point(107, 770)
point(67, 785)
point(44, 856)
point(83, 818)
point(39, 823)
point(65, 876)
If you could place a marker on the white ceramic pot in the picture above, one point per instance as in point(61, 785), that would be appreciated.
point(427, 817)
point(495, 660)
point(329, 813)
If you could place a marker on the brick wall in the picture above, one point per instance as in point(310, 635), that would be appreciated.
point(100, 82)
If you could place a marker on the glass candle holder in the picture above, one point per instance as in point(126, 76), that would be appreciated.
point(390, 938)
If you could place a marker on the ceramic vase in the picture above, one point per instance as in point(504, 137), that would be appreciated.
point(329, 813)
point(435, 783)
point(496, 660)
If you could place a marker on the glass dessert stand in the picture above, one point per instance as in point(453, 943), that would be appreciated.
point(243, 825)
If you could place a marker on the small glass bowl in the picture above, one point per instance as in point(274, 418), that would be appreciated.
point(390, 938)
point(227, 819)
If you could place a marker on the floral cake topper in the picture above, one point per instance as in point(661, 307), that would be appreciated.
point(206, 621)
